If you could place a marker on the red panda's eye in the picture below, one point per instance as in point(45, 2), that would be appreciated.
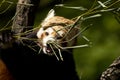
point(46, 33)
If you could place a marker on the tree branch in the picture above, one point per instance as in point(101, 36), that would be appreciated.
point(112, 72)
point(25, 14)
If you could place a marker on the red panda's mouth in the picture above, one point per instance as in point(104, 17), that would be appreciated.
point(48, 50)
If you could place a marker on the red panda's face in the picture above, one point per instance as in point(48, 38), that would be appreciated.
point(52, 34)
point(54, 30)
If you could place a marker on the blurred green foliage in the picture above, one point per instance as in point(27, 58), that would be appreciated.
point(104, 34)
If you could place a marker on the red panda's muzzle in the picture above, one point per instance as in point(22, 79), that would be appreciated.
point(50, 36)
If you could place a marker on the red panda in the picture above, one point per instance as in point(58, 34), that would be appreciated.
point(55, 29)
point(4, 72)
point(24, 65)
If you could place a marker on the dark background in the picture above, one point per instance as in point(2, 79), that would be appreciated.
point(104, 34)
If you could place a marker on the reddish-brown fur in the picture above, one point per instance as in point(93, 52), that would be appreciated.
point(4, 72)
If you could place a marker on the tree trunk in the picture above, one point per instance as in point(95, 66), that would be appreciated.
point(25, 14)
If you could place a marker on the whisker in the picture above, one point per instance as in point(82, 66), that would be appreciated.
point(59, 52)
point(72, 47)
point(72, 26)
point(39, 50)
point(79, 46)
point(58, 45)
point(84, 29)
point(85, 38)
point(64, 27)
point(32, 48)
point(54, 52)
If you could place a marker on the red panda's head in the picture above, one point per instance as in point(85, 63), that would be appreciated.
point(53, 30)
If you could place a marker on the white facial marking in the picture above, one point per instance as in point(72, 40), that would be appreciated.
point(49, 37)
point(46, 38)
point(39, 33)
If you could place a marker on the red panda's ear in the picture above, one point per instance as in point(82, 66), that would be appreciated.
point(50, 14)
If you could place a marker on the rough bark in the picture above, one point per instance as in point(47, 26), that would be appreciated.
point(112, 72)
point(25, 14)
